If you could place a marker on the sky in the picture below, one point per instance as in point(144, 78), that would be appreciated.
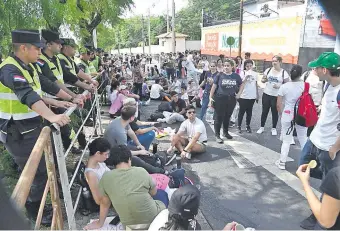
point(141, 7)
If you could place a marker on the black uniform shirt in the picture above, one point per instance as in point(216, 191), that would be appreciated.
point(10, 77)
point(47, 85)
point(81, 66)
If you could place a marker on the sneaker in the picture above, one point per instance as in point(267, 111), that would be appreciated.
point(293, 142)
point(248, 129)
point(309, 223)
point(147, 102)
point(274, 132)
point(239, 129)
point(281, 165)
point(232, 124)
point(219, 140)
point(161, 120)
point(170, 160)
point(260, 131)
point(228, 136)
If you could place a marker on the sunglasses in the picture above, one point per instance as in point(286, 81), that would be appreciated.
point(191, 112)
point(212, 66)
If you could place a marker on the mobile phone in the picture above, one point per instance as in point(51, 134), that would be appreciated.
point(115, 221)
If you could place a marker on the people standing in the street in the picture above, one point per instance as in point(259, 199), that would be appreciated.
point(22, 110)
point(219, 65)
point(247, 95)
point(227, 86)
point(170, 67)
point(138, 79)
point(205, 65)
point(324, 141)
point(316, 90)
point(207, 84)
point(239, 65)
point(274, 77)
point(288, 95)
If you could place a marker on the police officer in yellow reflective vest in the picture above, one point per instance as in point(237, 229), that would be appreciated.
point(22, 110)
point(84, 62)
point(51, 68)
point(95, 60)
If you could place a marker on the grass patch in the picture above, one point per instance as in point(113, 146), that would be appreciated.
point(9, 174)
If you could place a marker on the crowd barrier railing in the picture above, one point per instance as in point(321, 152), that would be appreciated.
point(44, 145)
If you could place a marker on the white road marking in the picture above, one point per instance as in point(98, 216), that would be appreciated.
point(265, 157)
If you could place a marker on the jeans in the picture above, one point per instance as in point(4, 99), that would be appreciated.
point(246, 106)
point(161, 195)
point(205, 103)
point(170, 72)
point(269, 103)
point(325, 163)
point(225, 105)
point(145, 139)
point(138, 89)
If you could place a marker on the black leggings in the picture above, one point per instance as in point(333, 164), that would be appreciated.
point(269, 102)
point(224, 109)
point(246, 106)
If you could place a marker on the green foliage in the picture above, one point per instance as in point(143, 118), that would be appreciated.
point(82, 16)
point(9, 175)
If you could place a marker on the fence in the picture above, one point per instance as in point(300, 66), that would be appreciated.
point(44, 144)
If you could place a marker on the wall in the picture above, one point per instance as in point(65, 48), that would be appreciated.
point(263, 38)
point(193, 45)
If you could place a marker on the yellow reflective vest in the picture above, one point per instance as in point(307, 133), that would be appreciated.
point(10, 105)
point(70, 65)
point(57, 71)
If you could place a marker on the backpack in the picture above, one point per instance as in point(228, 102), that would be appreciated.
point(283, 73)
point(305, 113)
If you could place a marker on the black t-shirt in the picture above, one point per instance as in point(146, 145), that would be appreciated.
point(134, 125)
point(331, 186)
point(228, 84)
point(179, 106)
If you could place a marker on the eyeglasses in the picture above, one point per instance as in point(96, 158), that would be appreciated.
point(191, 112)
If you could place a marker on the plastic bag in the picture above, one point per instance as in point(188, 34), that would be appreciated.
point(210, 114)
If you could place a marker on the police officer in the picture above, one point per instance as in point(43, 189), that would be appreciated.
point(22, 110)
point(70, 70)
point(50, 66)
point(84, 63)
point(96, 60)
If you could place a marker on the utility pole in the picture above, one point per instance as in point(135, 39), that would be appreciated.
point(240, 29)
point(167, 17)
point(149, 24)
point(143, 34)
point(173, 28)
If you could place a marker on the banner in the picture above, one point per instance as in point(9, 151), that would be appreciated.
point(262, 38)
point(318, 31)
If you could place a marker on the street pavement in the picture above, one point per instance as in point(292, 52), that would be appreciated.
point(239, 181)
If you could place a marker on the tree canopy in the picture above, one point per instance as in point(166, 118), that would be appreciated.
point(81, 16)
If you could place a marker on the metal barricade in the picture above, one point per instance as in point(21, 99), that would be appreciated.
point(44, 144)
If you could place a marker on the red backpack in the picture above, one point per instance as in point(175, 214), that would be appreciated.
point(305, 113)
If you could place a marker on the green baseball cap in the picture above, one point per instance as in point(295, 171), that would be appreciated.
point(329, 60)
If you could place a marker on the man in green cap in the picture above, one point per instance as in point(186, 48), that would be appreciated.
point(324, 141)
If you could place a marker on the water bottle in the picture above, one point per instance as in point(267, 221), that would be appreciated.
point(154, 148)
point(179, 161)
point(210, 114)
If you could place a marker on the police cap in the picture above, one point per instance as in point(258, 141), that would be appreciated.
point(68, 42)
point(50, 36)
point(27, 36)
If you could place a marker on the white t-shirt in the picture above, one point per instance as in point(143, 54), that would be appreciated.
point(250, 88)
point(192, 128)
point(185, 96)
point(143, 61)
point(290, 92)
point(113, 96)
point(205, 64)
point(176, 86)
point(325, 132)
point(155, 90)
point(274, 77)
point(190, 65)
point(315, 87)
point(159, 220)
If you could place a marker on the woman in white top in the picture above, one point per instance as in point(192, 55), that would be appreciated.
point(274, 77)
point(288, 95)
point(95, 168)
point(247, 95)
